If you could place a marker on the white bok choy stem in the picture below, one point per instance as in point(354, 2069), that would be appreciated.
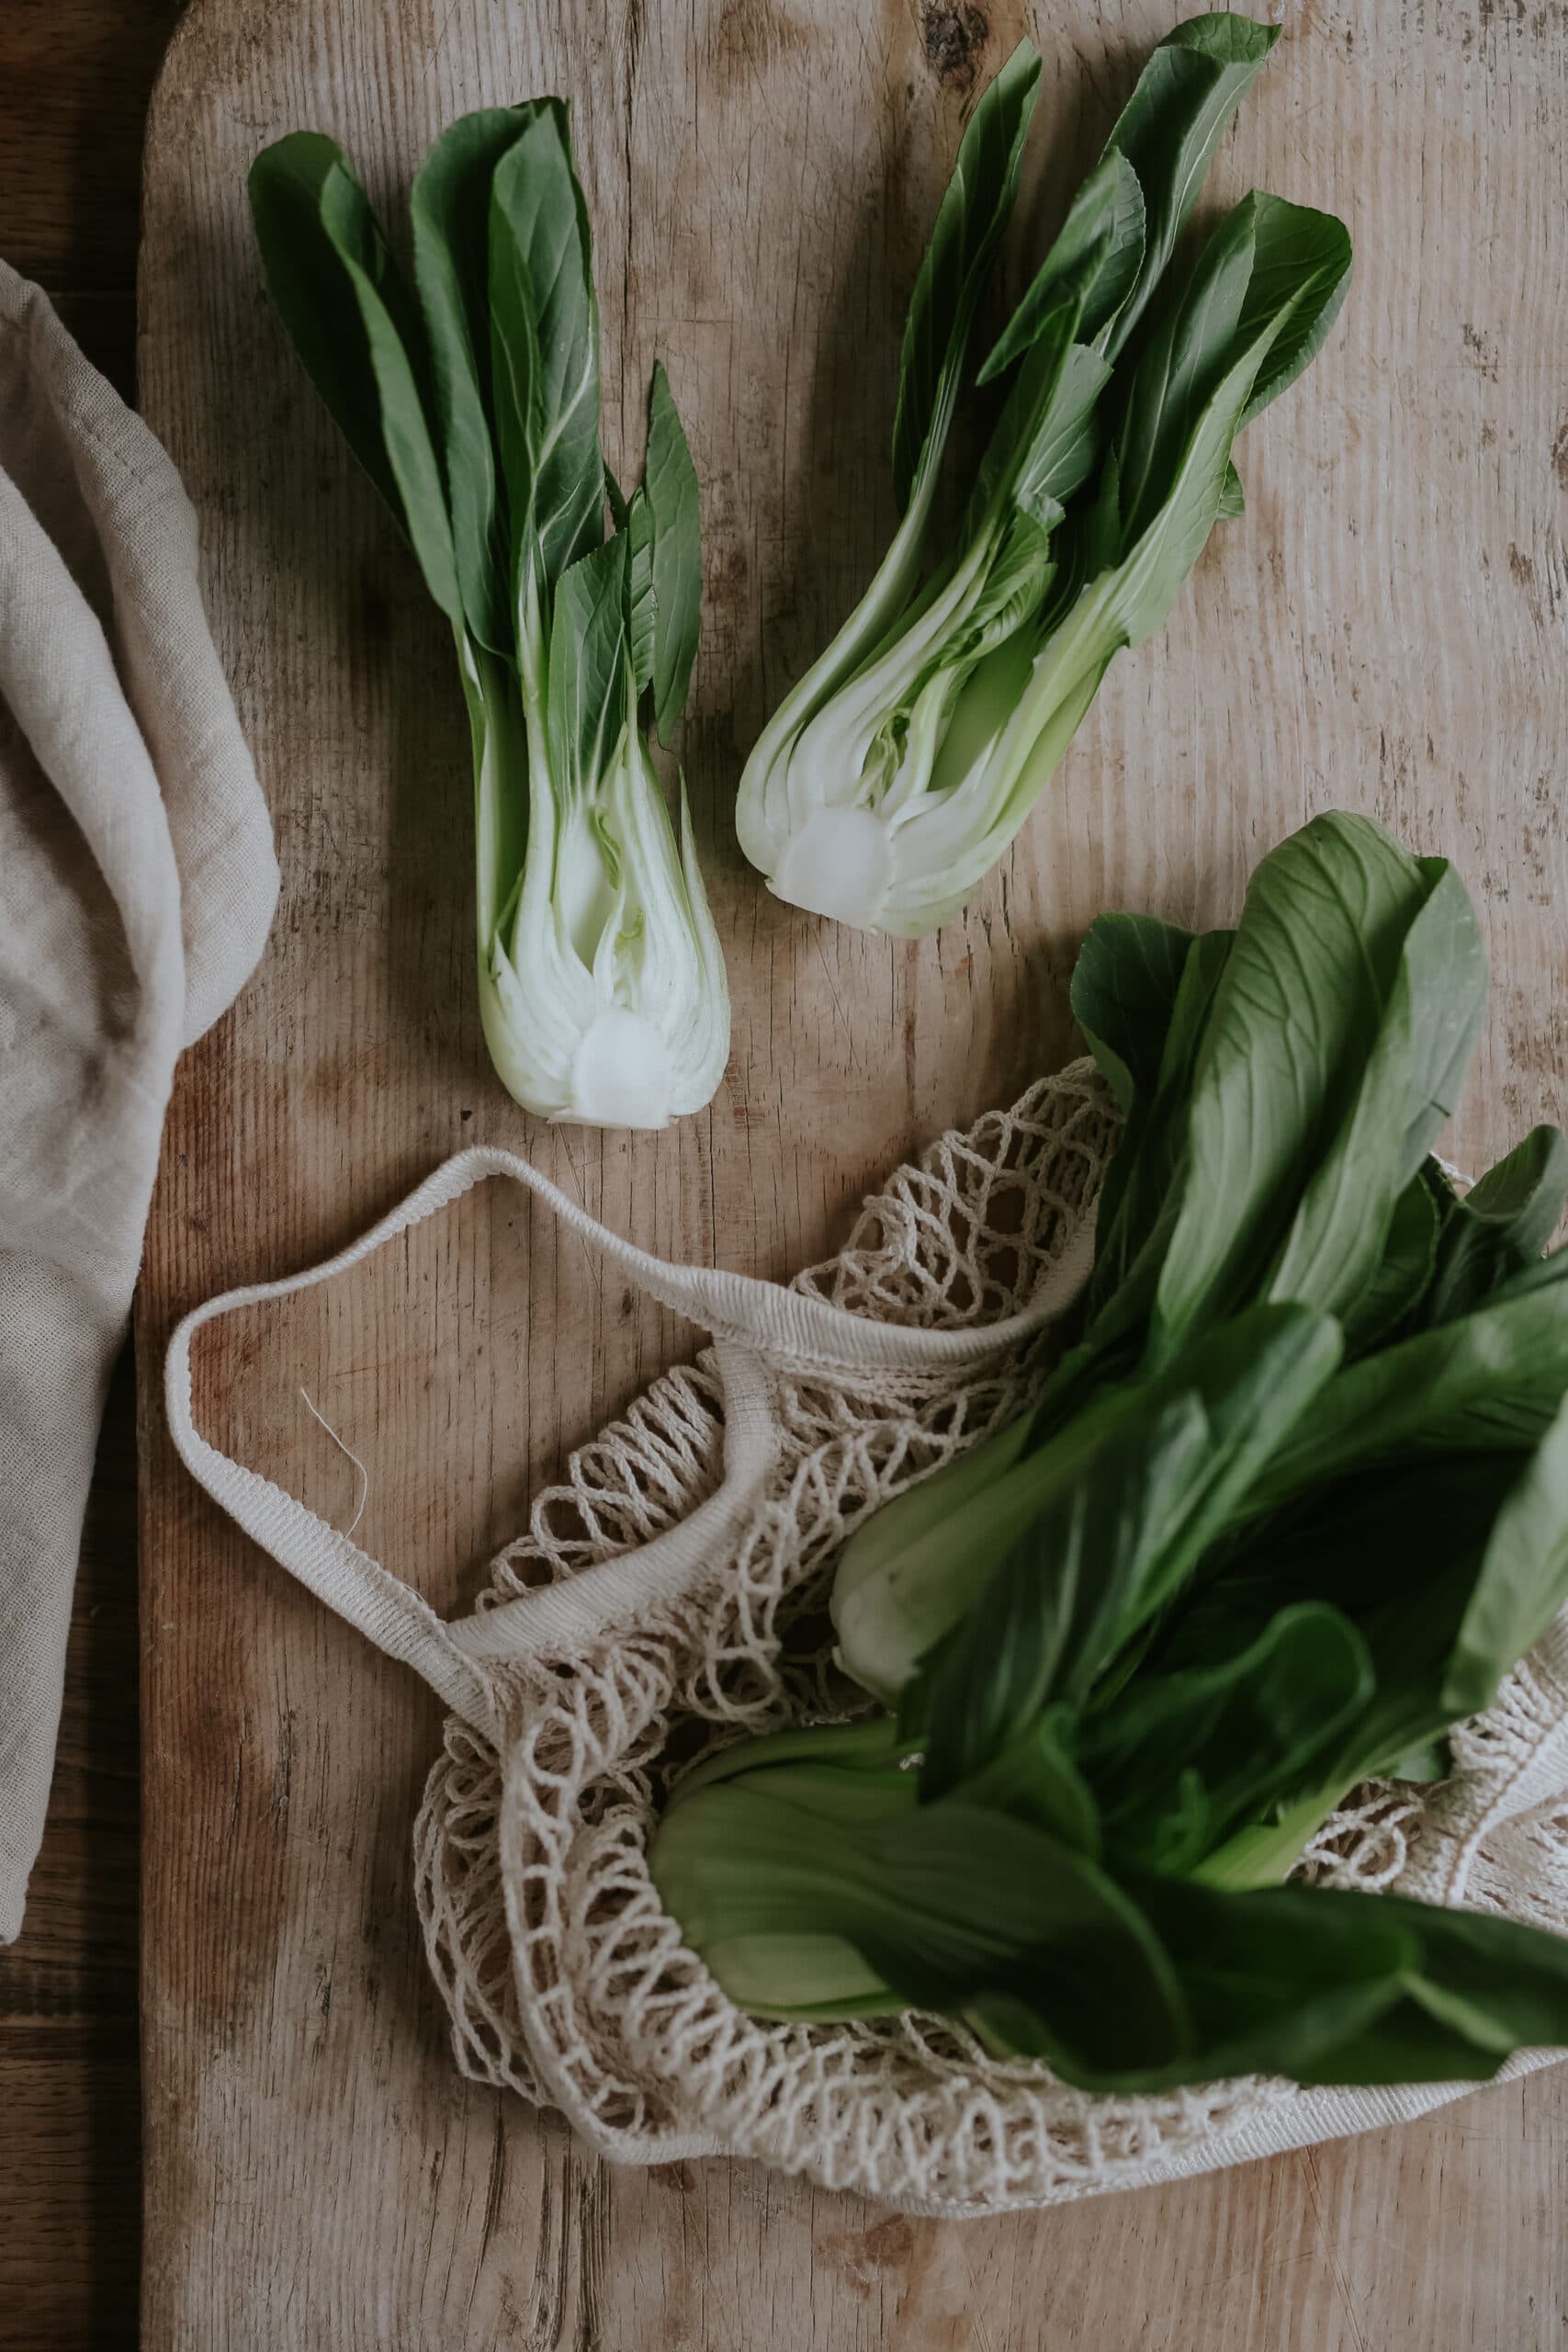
point(475, 409)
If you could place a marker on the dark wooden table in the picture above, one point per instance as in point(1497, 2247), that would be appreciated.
point(74, 79)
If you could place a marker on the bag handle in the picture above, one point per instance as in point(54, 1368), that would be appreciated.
point(757, 1326)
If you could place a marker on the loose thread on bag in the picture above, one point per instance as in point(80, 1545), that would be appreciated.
point(347, 1450)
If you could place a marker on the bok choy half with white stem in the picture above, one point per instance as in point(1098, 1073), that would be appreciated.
point(893, 776)
point(474, 411)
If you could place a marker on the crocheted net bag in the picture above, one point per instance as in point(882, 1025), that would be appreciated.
point(671, 1595)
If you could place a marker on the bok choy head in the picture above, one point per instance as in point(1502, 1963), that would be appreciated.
point(895, 775)
point(1288, 1512)
point(473, 403)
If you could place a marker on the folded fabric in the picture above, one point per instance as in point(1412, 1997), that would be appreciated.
point(137, 885)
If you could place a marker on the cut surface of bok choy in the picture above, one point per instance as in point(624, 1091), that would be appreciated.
point(472, 401)
point(894, 776)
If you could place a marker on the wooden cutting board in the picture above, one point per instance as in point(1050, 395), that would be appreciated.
point(1386, 629)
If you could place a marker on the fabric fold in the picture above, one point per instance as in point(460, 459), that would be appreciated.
point(137, 886)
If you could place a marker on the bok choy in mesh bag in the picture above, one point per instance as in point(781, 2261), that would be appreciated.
point(1288, 1509)
point(474, 411)
point(1085, 1862)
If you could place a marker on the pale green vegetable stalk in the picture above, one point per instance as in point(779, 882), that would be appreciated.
point(889, 781)
point(474, 409)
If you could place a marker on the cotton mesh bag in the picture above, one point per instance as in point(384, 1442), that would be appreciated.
point(671, 1596)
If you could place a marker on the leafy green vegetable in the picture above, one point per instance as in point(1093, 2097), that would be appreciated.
point(1487, 1537)
point(474, 411)
point(451, 243)
point(1399, 1280)
point(1312, 1022)
point(1523, 1577)
point(955, 273)
point(674, 588)
point(1148, 178)
point(309, 278)
point(896, 1587)
point(1124, 996)
point(1292, 1503)
point(895, 775)
point(1247, 1733)
point(1486, 1382)
point(1132, 1985)
point(1501, 1225)
point(1138, 1202)
point(1116, 1529)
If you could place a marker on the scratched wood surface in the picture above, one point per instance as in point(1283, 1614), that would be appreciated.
point(1386, 629)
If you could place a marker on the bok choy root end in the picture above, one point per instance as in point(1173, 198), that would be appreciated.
point(472, 401)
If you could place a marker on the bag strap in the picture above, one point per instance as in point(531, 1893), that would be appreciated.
point(757, 1326)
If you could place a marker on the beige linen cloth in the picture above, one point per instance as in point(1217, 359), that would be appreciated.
point(137, 884)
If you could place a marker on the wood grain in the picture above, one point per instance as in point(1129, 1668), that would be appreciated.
point(1385, 630)
point(76, 76)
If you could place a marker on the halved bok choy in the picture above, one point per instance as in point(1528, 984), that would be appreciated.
point(894, 776)
point(474, 409)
